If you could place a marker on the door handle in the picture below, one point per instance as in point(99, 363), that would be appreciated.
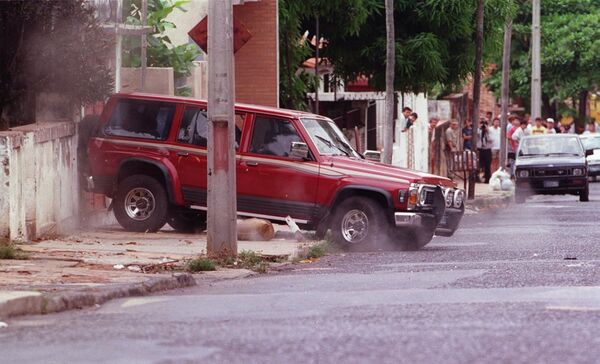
point(251, 164)
point(183, 154)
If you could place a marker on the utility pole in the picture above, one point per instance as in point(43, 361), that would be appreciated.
point(143, 58)
point(221, 219)
point(317, 55)
point(476, 85)
point(505, 88)
point(118, 45)
point(390, 64)
point(536, 76)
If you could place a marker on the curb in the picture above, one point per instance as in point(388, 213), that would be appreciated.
point(490, 202)
point(32, 303)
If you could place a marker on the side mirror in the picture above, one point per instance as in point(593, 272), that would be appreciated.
point(372, 155)
point(299, 150)
point(589, 152)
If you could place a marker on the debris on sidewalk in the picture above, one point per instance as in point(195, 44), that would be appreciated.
point(255, 229)
point(294, 228)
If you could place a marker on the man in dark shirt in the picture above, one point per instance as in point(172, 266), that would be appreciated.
point(467, 134)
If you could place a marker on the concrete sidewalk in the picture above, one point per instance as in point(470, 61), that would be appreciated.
point(486, 197)
point(91, 267)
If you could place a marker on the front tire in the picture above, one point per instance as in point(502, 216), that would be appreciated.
point(359, 223)
point(141, 204)
point(584, 195)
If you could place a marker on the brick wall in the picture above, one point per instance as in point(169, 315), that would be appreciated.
point(256, 63)
point(487, 99)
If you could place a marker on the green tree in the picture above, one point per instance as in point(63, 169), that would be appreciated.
point(160, 52)
point(50, 46)
point(297, 16)
point(570, 57)
point(435, 43)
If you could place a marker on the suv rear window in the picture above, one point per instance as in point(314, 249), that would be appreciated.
point(141, 119)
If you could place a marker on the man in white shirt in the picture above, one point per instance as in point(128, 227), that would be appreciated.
point(494, 136)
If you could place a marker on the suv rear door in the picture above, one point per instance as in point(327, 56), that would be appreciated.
point(190, 154)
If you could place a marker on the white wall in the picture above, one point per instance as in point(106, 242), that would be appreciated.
point(39, 189)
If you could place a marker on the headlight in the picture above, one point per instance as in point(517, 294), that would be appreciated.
point(459, 198)
point(523, 173)
point(578, 172)
point(449, 197)
point(413, 196)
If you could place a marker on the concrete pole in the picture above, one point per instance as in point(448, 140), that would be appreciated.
point(505, 89)
point(221, 219)
point(390, 70)
point(118, 45)
point(143, 57)
point(536, 77)
point(476, 87)
point(317, 55)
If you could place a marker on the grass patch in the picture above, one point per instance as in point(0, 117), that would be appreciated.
point(317, 250)
point(201, 265)
point(9, 251)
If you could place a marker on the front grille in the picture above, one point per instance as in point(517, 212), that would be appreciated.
point(552, 172)
point(429, 196)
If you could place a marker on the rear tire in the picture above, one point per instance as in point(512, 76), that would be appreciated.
point(359, 223)
point(141, 204)
point(584, 195)
point(187, 221)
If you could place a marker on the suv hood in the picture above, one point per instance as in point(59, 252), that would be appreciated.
point(544, 161)
point(365, 168)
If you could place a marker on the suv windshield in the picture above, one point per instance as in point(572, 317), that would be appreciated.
point(328, 138)
point(535, 146)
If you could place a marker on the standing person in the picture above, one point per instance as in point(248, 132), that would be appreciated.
point(494, 134)
point(519, 133)
point(484, 147)
point(412, 118)
point(467, 134)
point(404, 120)
point(432, 143)
point(452, 136)
point(591, 129)
point(550, 126)
point(539, 128)
point(512, 150)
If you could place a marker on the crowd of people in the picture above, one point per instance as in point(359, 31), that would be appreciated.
point(489, 137)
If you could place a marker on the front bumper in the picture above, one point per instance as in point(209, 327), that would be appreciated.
point(552, 185)
point(413, 219)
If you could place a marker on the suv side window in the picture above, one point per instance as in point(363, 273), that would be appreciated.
point(194, 127)
point(272, 136)
point(141, 119)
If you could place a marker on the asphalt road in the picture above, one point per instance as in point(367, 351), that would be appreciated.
point(516, 285)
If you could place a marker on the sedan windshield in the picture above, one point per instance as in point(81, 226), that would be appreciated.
point(535, 146)
point(328, 138)
point(591, 142)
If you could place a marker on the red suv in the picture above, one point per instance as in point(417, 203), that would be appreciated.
point(149, 155)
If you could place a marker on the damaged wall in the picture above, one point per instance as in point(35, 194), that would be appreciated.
point(39, 190)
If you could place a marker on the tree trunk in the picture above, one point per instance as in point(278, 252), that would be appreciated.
point(476, 84)
point(505, 90)
point(582, 110)
point(388, 132)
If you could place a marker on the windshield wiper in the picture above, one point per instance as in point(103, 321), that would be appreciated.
point(342, 142)
point(331, 145)
point(563, 153)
